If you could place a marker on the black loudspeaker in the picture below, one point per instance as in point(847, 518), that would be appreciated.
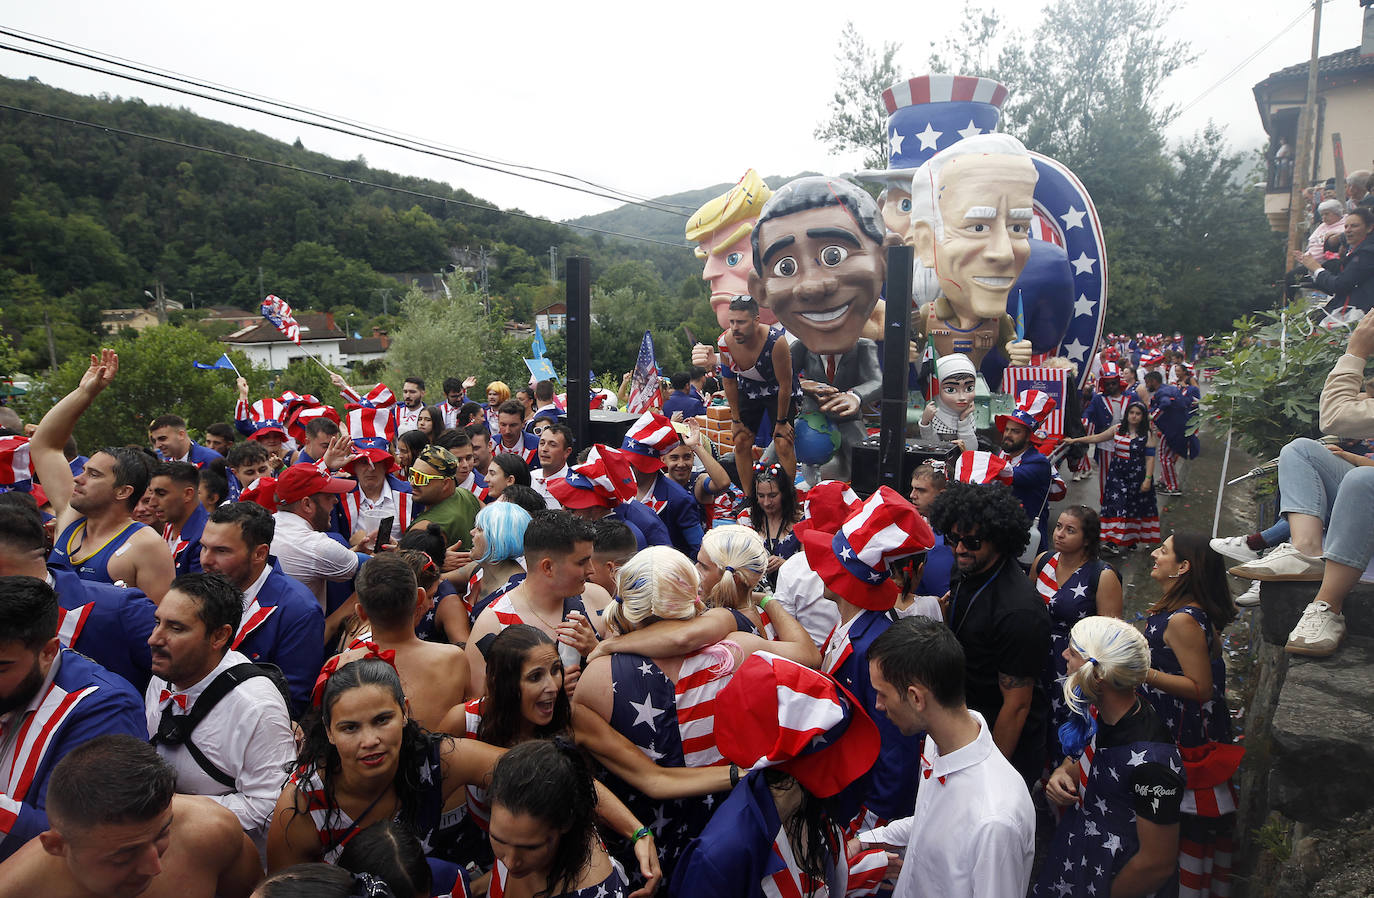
point(864, 465)
point(609, 428)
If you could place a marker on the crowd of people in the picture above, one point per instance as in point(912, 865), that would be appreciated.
point(442, 649)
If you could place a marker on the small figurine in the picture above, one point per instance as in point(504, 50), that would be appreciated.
point(950, 417)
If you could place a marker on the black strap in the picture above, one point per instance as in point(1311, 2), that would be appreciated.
point(176, 729)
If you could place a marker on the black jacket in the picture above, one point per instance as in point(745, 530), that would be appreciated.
point(1355, 283)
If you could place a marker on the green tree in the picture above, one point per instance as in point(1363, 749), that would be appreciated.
point(450, 336)
point(155, 377)
point(857, 121)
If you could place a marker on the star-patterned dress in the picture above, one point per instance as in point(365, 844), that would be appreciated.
point(1130, 768)
point(1068, 604)
point(673, 723)
point(1128, 515)
point(1208, 813)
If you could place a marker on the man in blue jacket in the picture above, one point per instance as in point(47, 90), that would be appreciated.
point(1031, 471)
point(282, 624)
point(167, 433)
point(643, 448)
point(52, 699)
point(106, 623)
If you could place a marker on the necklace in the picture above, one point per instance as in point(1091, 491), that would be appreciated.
point(553, 628)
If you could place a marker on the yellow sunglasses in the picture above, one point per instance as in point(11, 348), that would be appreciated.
point(420, 478)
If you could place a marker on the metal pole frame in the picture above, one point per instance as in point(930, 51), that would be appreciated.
point(579, 309)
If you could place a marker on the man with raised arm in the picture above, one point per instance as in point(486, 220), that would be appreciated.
point(97, 535)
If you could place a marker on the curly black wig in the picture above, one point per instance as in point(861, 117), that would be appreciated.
point(989, 511)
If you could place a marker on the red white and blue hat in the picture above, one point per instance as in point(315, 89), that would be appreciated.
point(853, 563)
point(1153, 357)
point(979, 468)
point(1032, 408)
point(647, 439)
point(379, 396)
point(371, 430)
point(268, 417)
point(603, 480)
point(1110, 371)
point(828, 504)
point(929, 113)
point(301, 410)
point(778, 713)
point(16, 469)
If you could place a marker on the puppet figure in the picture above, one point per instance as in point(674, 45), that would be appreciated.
point(950, 416)
point(721, 229)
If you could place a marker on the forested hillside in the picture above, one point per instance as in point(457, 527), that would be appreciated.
point(89, 219)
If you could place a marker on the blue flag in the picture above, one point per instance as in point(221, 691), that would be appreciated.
point(220, 364)
point(538, 347)
point(541, 369)
point(357, 336)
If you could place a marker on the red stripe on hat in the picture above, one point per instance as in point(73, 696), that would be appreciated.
point(920, 90)
point(889, 101)
point(963, 88)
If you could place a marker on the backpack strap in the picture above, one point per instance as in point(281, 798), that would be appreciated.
point(176, 729)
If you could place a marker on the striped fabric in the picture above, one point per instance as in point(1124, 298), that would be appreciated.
point(71, 621)
point(253, 617)
point(1047, 582)
point(1053, 382)
point(1130, 531)
point(36, 735)
point(943, 89)
point(700, 680)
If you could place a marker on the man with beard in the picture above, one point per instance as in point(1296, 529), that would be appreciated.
point(305, 505)
point(1031, 471)
point(1002, 624)
point(52, 699)
point(97, 536)
point(704, 485)
point(242, 741)
point(126, 835)
point(434, 480)
point(282, 622)
point(755, 365)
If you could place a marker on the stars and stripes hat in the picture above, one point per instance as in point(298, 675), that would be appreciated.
point(1153, 357)
point(853, 562)
point(777, 713)
point(827, 505)
point(301, 410)
point(1110, 371)
point(980, 468)
point(929, 113)
point(15, 467)
point(380, 396)
point(268, 417)
point(1032, 408)
point(647, 439)
point(371, 430)
point(603, 480)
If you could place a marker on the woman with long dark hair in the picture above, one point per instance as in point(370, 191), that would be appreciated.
point(430, 422)
point(1075, 584)
point(1130, 513)
point(543, 827)
point(1187, 687)
point(772, 511)
point(1119, 781)
point(506, 468)
point(409, 445)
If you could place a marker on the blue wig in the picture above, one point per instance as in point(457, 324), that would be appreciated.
point(503, 524)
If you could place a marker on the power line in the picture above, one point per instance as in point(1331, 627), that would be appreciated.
point(337, 125)
point(110, 129)
point(1243, 63)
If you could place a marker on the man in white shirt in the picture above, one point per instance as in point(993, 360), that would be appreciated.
point(235, 752)
point(555, 448)
point(305, 500)
point(973, 832)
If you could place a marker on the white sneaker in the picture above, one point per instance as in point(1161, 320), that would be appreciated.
point(1235, 548)
point(1319, 632)
point(1284, 563)
point(1249, 598)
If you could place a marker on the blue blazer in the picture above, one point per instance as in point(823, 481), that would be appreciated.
point(681, 514)
point(200, 456)
point(640, 516)
point(284, 626)
point(1030, 483)
point(108, 624)
point(110, 706)
point(187, 557)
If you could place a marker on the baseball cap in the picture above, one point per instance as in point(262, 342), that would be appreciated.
point(299, 481)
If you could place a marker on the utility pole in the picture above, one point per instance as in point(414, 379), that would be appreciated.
point(483, 283)
point(553, 262)
point(1306, 141)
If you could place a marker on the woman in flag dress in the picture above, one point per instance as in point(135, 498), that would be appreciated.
point(1122, 782)
point(1187, 687)
point(663, 700)
point(731, 562)
point(1075, 584)
point(1130, 514)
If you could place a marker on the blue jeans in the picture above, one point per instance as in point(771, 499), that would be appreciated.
point(1314, 482)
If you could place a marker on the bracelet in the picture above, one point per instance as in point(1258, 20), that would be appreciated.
point(734, 775)
point(639, 834)
point(763, 600)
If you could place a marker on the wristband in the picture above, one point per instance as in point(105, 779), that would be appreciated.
point(639, 834)
point(763, 600)
point(734, 775)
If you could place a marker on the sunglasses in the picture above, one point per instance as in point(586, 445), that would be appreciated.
point(972, 543)
point(420, 478)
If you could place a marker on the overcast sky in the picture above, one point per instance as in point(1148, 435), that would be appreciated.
point(650, 98)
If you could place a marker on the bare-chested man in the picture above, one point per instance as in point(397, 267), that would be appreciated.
point(97, 535)
point(126, 835)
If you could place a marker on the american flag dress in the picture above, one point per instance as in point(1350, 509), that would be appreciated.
point(1129, 768)
point(673, 723)
point(1068, 604)
point(1207, 831)
point(1128, 515)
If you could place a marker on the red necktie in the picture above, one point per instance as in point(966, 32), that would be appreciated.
point(830, 362)
point(179, 698)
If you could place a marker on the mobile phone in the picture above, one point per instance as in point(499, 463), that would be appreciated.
point(383, 533)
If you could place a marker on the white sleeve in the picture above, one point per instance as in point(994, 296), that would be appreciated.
point(1002, 855)
point(333, 560)
point(897, 833)
point(269, 747)
point(803, 595)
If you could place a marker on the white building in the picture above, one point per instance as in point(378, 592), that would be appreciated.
point(265, 345)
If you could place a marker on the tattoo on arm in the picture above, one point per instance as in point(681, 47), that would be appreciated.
point(1007, 681)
